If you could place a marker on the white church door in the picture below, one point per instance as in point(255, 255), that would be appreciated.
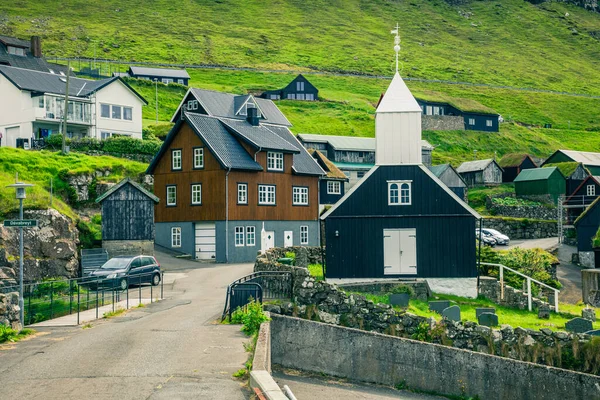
point(399, 252)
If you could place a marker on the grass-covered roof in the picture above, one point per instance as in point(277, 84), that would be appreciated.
point(512, 159)
point(468, 105)
point(567, 168)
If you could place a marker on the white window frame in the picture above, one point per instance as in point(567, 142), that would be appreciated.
point(265, 192)
point(102, 109)
point(334, 187)
point(172, 188)
point(489, 123)
point(304, 234)
point(239, 236)
point(180, 81)
point(591, 190)
point(197, 190)
point(397, 199)
point(299, 195)
point(274, 161)
point(242, 193)
point(198, 155)
point(471, 121)
point(166, 81)
point(250, 236)
point(176, 154)
point(176, 236)
point(105, 135)
point(300, 86)
point(17, 51)
point(192, 105)
point(112, 112)
point(130, 113)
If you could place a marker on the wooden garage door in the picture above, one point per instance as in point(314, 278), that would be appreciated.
point(205, 240)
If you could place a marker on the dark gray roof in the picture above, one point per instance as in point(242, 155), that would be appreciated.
point(438, 170)
point(11, 41)
point(229, 152)
point(164, 72)
point(121, 184)
point(474, 166)
point(259, 136)
point(304, 163)
point(45, 82)
point(28, 61)
point(219, 104)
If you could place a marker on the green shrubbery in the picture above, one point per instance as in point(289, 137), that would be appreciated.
point(250, 316)
point(596, 240)
point(113, 145)
point(514, 202)
point(8, 334)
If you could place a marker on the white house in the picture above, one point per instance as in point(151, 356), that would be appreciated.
point(32, 104)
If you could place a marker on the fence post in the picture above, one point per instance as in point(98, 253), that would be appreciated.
point(529, 294)
point(162, 284)
point(29, 305)
point(151, 291)
point(70, 298)
point(78, 302)
point(51, 299)
point(555, 301)
point(127, 292)
point(501, 282)
point(97, 284)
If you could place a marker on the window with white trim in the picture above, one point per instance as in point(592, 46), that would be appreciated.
point(304, 234)
point(266, 194)
point(274, 161)
point(127, 113)
point(399, 193)
point(300, 86)
point(175, 159)
point(291, 96)
point(489, 122)
point(197, 194)
point(16, 51)
point(116, 112)
point(192, 105)
point(591, 190)
point(105, 110)
point(300, 196)
point(239, 236)
point(166, 81)
point(176, 236)
point(242, 193)
point(180, 81)
point(199, 157)
point(171, 195)
point(471, 121)
point(104, 135)
point(334, 187)
point(250, 236)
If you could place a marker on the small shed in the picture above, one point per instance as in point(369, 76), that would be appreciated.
point(587, 226)
point(514, 163)
point(574, 172)
point(448, 175)
point(481, 172)
point(164, 75)
point(540, 181)
point(128, 219)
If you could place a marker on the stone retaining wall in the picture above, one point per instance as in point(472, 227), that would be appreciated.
point(9, 310)
point(491, 289)
point(116, 248)
point(442, 123)
point(522, 229)
point(531, 212)
point(420, 288)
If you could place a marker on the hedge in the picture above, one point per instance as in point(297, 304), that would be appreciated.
point(115, 145)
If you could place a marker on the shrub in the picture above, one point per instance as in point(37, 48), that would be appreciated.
point(514, 202)
point(596, 240)
point(316, 271)
point(97, 219)
point(89, 235)
point(251, 317)
point(127, 145)
point(403, 289)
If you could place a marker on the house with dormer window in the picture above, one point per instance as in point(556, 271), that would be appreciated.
point(298, 89)
point(233, 180)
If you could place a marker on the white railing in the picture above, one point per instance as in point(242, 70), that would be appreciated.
point(529, 280)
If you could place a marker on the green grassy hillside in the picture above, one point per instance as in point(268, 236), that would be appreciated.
point(510, 42)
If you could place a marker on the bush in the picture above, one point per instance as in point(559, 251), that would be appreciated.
point(90, 236)
point(403, 289)
point(596, 240)
point(251, 317)
point(316, 271)
point(514, 202)
point(127, 145)
point(157, 131)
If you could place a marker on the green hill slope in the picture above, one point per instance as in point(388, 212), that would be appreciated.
point(510, 42)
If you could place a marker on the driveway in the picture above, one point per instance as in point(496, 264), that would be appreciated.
point(569, 275)
point(170, 349)
point(546, 244)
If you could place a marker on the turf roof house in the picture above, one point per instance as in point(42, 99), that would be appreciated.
point(27, 54)
point(400, 220)
point(164, 75)
point(229, 168)
point(451, 178)
point(574, 172)
point(587, 226)
point(589, 160)
point(512, 164)
point(477, 117)
point(481, 172)
point(298, 89)
point(583, 196)
point(540, 182)
point(32, 105)
point(331, 186)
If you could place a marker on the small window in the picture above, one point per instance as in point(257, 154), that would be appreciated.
point(41, 102)
point(104, 135)
point(300, 96)
point(405, 193)
point(310, 96)
point(334, 187)
point(176, 159)
point(171, 195)
point(105, 111)
point(300, 196)
point(304, 235)
point(266, 194)
point(399, 193)
point(489, 122)
point(18, 51)
point(393, 191)
point(166, 81)
point(471, 121)
point(239, 236)
point(300, 86)
point(242, 193)
point(274, 161)
point(192, 105)
point(197, 194)
point(250, 236)
point(198, 157)
point(176, 237)
point(127, 113)
point(180, 81)
point(429, 110)
point(291, 96)
point(116, 112)
point(591, 190)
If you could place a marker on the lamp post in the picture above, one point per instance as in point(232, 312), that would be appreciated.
point(156, 95)
point(20, 192)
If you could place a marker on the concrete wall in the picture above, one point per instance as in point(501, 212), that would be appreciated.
point(116, 248)
point(372, 357)
point(163, 236)
point(442, 123)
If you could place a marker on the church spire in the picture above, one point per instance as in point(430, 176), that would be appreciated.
point(396, 43)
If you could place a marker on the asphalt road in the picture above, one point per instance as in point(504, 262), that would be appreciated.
point(173, 349)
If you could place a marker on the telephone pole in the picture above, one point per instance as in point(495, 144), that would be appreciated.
point(66, 110)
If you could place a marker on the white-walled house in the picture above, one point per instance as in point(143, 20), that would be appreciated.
point(32, 104)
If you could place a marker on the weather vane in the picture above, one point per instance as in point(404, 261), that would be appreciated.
point(396, 43)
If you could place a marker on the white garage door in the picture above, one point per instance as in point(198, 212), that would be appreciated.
point(205, 241)
point(11, 136)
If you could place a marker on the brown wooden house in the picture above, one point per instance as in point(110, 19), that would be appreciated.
point(232, 184)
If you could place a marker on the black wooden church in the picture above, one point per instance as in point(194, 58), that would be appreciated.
point(400, 221)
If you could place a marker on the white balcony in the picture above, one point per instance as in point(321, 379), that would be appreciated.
point(50, 108)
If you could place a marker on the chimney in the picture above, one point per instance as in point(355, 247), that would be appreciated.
point(36, 47)
point(252, 115)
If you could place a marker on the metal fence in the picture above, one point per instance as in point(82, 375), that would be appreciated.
point(52, 299)
point(265, 285)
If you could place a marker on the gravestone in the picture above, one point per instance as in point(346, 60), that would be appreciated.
point(479, 311)
point(452, 313)
point(439, 305)
point(589, 313)
point(399, 299)
point(543, 311)
point(488, 319)
point(594, 332)
point(579, 325)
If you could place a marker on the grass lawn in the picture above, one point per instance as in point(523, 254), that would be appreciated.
point(506, 315)
point(10, 335)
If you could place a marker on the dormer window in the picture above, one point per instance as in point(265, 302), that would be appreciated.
point(16, 51)
point(274, 161)
point(192, 105)
point(399, 193)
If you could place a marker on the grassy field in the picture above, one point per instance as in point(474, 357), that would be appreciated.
point(512, 42)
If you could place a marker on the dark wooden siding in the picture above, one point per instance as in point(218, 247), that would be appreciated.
point(480, 122)
point(127, 214)
point(587, 228)
point(292, 89)
point(510, 173)
point(327, 198)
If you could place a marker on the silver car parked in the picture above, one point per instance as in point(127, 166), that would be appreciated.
point(500, 238)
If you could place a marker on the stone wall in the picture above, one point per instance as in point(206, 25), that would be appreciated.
point(491, 289)
point(9, 310)
point(304, 254)
point(522, 229)
point(421, 290)
point(116, 248)
point(587, 259)
point(530, 212)
point(392, 361)
point(442, 123)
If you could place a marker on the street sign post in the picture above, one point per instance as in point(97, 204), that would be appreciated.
point(20, 223)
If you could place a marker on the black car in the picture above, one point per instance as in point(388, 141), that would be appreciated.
point(120, 272)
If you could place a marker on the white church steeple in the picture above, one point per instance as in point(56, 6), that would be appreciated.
point(397, 122)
